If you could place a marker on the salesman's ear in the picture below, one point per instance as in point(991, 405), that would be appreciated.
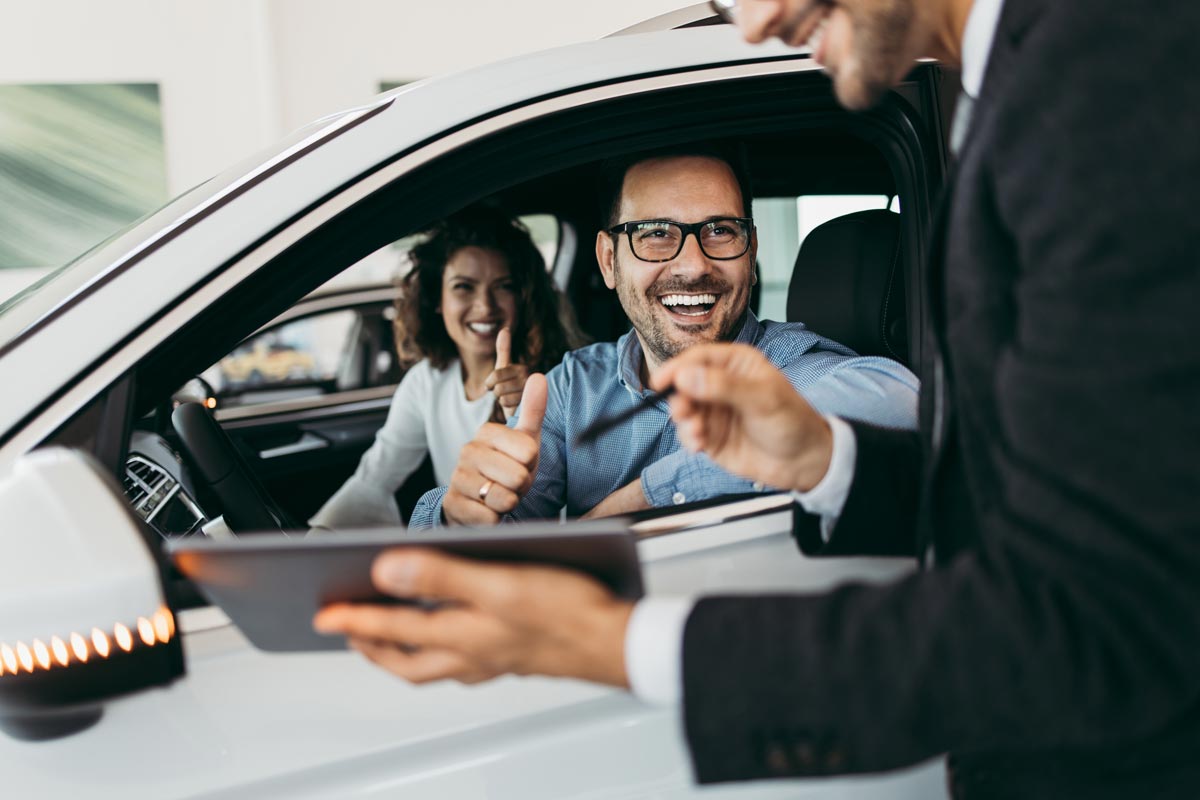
point(605, 253)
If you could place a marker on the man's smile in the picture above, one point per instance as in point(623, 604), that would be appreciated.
point(690, 307)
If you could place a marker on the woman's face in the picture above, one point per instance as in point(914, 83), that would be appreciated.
point(477, 301)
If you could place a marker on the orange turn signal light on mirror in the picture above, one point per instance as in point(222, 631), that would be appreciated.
point(37, 655)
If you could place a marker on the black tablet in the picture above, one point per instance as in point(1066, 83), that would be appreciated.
point(271, 585)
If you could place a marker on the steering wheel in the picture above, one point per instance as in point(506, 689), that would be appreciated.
point(246, 506)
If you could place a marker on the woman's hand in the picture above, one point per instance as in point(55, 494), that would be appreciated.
point(507, 381)
point(733, 404)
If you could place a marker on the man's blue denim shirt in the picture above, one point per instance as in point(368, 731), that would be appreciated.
point(604, 379)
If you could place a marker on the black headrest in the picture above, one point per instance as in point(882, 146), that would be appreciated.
point(848, 284)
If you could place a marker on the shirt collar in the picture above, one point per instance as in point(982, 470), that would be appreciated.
point(978, 37)
point(629, 352)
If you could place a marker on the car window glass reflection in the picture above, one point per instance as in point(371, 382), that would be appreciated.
point(301, 358)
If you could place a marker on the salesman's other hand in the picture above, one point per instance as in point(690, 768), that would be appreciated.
point(497, 619)
point(497, 467)
point(733, 404)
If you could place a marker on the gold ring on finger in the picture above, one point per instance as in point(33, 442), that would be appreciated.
point(483, 490)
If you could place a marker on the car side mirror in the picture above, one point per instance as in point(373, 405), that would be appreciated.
point(82, 613)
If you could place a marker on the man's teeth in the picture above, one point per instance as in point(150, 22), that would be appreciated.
point(688, 299)
point(483, 328)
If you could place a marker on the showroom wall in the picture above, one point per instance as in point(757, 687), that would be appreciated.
point(233, 76)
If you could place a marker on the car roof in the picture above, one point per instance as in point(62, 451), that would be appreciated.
point(695, 15)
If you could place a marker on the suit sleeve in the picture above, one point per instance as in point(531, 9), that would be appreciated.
point(1075, 626)
point(879, 516)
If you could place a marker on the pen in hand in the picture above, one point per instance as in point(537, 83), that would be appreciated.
point(605, 424)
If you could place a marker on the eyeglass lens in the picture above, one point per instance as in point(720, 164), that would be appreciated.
point(662, 241)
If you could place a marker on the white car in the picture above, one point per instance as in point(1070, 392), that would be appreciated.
point(117, 680)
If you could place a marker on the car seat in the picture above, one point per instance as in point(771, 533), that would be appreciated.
point(848, 284)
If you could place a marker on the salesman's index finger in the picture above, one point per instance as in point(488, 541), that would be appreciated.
point(695, 357)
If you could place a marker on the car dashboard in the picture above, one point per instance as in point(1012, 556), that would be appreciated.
point(159, 490)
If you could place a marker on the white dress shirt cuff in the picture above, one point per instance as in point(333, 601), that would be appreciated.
point(654, 649)
point(828, 497)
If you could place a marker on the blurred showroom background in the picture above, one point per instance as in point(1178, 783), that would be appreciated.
point(109, 109)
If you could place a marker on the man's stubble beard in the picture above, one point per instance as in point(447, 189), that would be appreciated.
point(880, 48)
point(651, 327)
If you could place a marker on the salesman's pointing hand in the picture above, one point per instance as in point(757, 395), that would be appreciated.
point(734, 405)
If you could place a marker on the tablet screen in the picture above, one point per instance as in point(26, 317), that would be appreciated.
point(272, 584)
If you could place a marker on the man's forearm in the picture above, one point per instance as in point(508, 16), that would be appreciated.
point(684, 477)
point(626, 500)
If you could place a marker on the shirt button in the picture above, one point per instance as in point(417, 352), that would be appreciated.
point(758, 486)
point(678, 498)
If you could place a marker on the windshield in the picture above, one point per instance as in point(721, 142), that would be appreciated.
point(24, 309)
point(55, 273)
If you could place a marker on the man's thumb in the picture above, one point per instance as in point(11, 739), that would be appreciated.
point(533, 405)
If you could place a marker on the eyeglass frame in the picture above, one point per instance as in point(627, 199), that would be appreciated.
point(689, 229)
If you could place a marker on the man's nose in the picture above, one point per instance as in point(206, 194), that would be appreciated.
point(691, 261)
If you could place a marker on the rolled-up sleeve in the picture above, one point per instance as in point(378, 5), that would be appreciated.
point(869, 389)
point(428, 511)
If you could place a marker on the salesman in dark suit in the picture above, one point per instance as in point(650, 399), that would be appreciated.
point(1052, 646)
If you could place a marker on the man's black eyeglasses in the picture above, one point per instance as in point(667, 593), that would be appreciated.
point(657, 240)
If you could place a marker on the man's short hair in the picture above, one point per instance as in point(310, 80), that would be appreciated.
point(613, 171)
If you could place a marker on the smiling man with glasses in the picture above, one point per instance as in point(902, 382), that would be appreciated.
point(678, 247)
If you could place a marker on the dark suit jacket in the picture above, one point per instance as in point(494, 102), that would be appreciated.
point(1054, 647)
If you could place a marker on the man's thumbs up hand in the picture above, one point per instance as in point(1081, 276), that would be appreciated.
point(533, 406)
point(498, 466)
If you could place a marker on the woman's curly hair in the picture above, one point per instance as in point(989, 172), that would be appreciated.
point(544, 328)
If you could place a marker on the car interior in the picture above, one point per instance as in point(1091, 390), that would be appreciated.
point(267, 461)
